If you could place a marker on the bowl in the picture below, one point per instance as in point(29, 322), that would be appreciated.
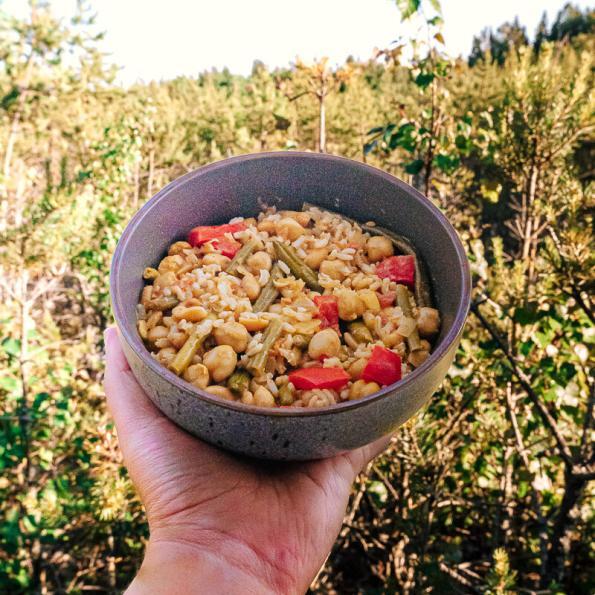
point(236, 187)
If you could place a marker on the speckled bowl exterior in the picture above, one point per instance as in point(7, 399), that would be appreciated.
point(233, 187)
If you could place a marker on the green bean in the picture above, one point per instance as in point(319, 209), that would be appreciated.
point(285, 395)
point(423, 295)
point(297, 267)
point(359, 331)
point(269, 292)
point(241, 256)
point(258, 361)
point(162, 303)
point(189, 349)
point(405, 305)
point(239, 381)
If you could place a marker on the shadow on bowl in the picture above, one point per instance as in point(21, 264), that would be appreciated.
point(236, 187)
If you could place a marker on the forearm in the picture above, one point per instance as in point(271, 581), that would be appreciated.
point(176, 568)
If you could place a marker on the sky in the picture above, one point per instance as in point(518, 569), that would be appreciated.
point(162, 39)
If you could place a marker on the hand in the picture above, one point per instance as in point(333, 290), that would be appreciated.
point(221, 523)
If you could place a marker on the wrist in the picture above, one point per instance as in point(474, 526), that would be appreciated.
point(173, 566)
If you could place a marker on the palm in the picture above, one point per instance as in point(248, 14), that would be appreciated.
point(281, 517)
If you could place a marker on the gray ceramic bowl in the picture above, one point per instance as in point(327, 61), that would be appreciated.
point(230, 188)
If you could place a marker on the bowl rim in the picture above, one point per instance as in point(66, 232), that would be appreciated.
point(135, 343)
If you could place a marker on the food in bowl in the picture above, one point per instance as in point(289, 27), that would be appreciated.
point(289, 309)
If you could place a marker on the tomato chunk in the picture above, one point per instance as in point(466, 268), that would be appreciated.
point(400, 269)
point(383, 367)
point(387, 299)
point(206, 233)
point(226, 247)
point(310, 378)
point(328, 311)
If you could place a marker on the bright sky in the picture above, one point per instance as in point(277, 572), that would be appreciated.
point(156, 39)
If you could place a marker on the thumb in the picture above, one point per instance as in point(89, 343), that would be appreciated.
point(129, 405)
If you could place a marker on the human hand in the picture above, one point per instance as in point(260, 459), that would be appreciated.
point(220, 523)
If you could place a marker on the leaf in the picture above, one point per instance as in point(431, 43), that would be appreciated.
point(424, 79)
point(414, 167)
point(11, 346)
point(439, 38)
point(436, 5)
point(369, 147)
point(446, 163)
point(407, 8)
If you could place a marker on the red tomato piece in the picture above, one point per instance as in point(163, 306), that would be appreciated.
point(206, 233)
point(310, 378)
point(328, 311)
point(387, 299)
point(226, 247)
point(383, 367)
point(400, 269)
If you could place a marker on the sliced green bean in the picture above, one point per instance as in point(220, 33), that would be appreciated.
point(162, 303)
point(269, 292)
point(423, 294)
point(239, 381)
point(359, 331)
point(258, 361)
point(189, 349)
point(405, 305)
point(241, 256)
point(297, 266)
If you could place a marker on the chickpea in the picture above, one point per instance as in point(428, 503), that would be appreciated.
point(379, 247)
point(300, 216)
point(214, 258)
point(357, 367)
point(220, 391)
point(177, 339)
point(324, 343)
point(247, 398)
point(251, 286)
point(315, 257)
point(233, 334)
point(267, 226)
point(258, 261)
point(157, 332)
point(263, 397)
point(350, 304)
point(166, 355)
point(289, 229)
point(361, 388)
point(335, 269)
point(191, 314)
point(417, 358)
point(166, 279)
point(392, 339)
point(428, 322)
point(370, 300)
point(198, 375)
point(221, 362)
point(178, 248)
point(170, 263)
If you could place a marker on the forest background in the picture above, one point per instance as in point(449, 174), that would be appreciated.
point(488, 489)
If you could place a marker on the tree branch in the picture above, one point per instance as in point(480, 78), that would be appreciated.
point(525, 382)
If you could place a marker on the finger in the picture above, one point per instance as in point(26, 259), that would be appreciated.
point(129, 405)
